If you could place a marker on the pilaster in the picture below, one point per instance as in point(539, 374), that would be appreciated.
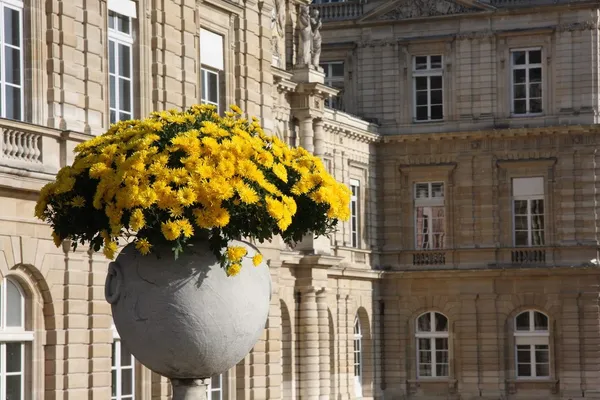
point(324, 345)
point(308, 355)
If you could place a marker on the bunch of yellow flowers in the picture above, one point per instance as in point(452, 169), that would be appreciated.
point(177, 175)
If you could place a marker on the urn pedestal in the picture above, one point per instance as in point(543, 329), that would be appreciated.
point(186, 319)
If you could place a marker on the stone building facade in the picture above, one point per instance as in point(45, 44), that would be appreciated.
point(467, 131)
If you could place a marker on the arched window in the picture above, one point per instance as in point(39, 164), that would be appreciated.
point(358, 367)
point(14, 338)
point(432, 345)
point(123, 370)
point(532, 342)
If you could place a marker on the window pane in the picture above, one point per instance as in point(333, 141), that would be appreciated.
point(421, 98)
point(535, 106)
point(520, 91)
point(126, 382)
point(537, 222)
point(521, 222)
point(421, 62)
point(422, 114)
point(535, 90)
point(111, 57)
point(14, 309)
point(13, 387)
point(213, 88)
point(519, 58)
point(113, 92)
point(542, 370)
point(113, 117)
point(522, 321)
point(436, 82)
point(12, 29)
point(124, 61)
point(424, 323)
point(422, 190)
point(12, 58)
point(535, 75)
point(519, 76)
point(520, 106)
point(13, 102)
point(441, 323)
point(13, 357)
point(540, 321)
point(441, 369)
point(424, 344)
point(111, 19)
point(114, 382)
point(436, 97)
point(524, 369)
point(421, 83)
point(441, 344)
point(124, 95)
point(425, 357)
point(126, 358)
point(520, 207)
point(436, 62)
point(521, 238)
point(123, 24)
point(216, 395)
point(441, 357)
point(337, 69)
point(542, 354)
point(424, 369)
point(437, 112)
point(124, 116)
point(535, 57)
point(114, 354)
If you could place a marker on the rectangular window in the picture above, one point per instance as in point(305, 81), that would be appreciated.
point(120, 66)
point(533, 360)
point(528, 211)
point(334, 77)
point(123, 372)
point(430, 225)
point(213, 64)
point(526, 71)
point(354, 210)
point(11, 60)
point(210, 87)
point(215, 388)
point(433, 356)
point(428, 85)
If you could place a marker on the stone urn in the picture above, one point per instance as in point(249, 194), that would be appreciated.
point(186, 319)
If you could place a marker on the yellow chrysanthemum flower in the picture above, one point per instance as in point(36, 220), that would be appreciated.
point(78, 202)
point(137, 220)
point(143, 246)
point(257, 259)
point(186, 227)
point(170, 230)
point(236, 253)
point(234, 269)
point(110, 249)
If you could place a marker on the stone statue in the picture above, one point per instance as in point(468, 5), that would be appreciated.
point(277, 31)
point(304, 36)
point(315, 23)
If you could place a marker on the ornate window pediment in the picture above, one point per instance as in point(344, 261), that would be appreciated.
point(407, 9)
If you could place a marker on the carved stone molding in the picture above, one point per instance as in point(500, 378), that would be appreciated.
point(578, 26)
point(425, 8)
point(475, 35)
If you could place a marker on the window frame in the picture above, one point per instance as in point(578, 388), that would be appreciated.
point(14, 335)
point(119, 38)
point(221, 389)
point(355, 218)
point(116, 366)
point(205, 71)
point(17, 6)
point(428, 73)
point(432, 335)
point(532, 338)
point(357, 353)
point(527, 66)
point(429, 202)
point(330, 80)
point(529, 198)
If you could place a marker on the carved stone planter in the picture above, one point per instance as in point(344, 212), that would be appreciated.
point(185, 319)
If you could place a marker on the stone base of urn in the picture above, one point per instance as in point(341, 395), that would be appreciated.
point(186, 319)
point(190, 389)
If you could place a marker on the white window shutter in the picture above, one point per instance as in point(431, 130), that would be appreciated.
point(211, 49)
point(123, 7)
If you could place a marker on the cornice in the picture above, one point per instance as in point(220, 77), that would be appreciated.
point(494, 133)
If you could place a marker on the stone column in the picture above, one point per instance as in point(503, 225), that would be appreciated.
point(306, 133)
point(319, 139)
point(308, 335)
point(324, 345)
